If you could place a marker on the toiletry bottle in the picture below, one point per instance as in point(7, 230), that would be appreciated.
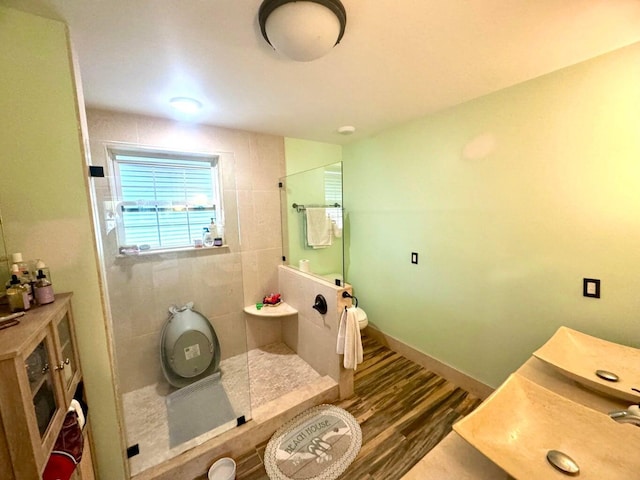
point(23, 278)
point(28, 282)
point(220, 232)
point(44, 289)
point(212, 227)
point(25, 267)
point(25, 275)
point(13, 271)
point(16, 258)
point(17, 296)
point(40, 265)
point(207, 238)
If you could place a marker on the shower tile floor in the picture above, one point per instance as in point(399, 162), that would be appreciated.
point(274, 370)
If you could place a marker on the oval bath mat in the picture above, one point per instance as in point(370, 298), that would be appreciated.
point(318, 444)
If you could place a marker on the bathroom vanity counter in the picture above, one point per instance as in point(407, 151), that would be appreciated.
point(281, 310)
point(455, 459)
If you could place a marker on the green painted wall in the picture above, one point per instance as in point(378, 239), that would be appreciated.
point(44, 200)
point(510, 200)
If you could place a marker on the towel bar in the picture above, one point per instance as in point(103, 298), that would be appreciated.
point(300, 208)
point(346, 294)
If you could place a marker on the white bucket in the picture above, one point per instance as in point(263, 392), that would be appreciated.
point(223, 469)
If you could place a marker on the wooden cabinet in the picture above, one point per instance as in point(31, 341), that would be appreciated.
point(39, 373)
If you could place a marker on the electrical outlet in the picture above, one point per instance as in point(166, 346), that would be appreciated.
point(414, 258)
point(591, 287)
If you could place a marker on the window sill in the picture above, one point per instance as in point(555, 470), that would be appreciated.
point(144, 253)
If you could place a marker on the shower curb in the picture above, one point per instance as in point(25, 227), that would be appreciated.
point(266, 420)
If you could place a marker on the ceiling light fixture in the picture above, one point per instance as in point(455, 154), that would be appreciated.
point(186, 104)
point(302, 30)
point(346, 130)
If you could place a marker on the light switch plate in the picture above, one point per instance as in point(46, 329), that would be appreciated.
point(591, 287)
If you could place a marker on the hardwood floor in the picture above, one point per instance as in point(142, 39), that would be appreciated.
point(403, 410)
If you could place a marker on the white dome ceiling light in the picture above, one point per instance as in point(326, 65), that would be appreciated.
point(186, 105)
point(346, 130)
point(302, 30)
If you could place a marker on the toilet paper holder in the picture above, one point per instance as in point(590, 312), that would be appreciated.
point(346, 294)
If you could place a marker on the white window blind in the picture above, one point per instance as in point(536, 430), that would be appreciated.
point(165, 200)
point(333, 193)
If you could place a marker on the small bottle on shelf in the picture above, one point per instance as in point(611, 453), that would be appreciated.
point(44, 289)
point(23, 270)
point(40, 265)
point(17, 295)
point(220, 233)
point(207, 237)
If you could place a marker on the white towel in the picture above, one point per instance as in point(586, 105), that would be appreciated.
point(349, 341)
point(337, 231)
point(75, 407)
point(319, 228)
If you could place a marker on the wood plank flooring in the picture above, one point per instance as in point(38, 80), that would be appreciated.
point(403, 409)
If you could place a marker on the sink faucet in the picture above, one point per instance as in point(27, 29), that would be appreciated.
point(625, 416)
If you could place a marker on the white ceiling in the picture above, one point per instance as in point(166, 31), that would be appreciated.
point(398, 60)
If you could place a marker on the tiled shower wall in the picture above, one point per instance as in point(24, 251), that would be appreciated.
point(141, 289)
point(311, 335)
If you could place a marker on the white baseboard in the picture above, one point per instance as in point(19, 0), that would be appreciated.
point(461, 379)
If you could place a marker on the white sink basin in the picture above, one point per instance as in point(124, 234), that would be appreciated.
point(521, 422)
point(578, 356)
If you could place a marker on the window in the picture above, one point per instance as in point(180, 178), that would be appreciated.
point(333, 192)
point(164, 199)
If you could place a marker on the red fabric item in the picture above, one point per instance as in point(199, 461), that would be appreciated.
point(70, 440)
point(67, 451)
point(59, 467)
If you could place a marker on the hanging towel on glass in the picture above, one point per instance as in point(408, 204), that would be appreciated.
point(319, 227)
point(349, 341)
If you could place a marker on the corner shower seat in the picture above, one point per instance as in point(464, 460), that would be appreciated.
point(282, 310)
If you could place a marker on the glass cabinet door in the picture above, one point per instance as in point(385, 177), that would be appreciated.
point(39, 371)
point(67, 364)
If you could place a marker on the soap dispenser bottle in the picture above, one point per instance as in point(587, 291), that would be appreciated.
point(17, 295)
point(40, 265)
point(44, 289)
point(207, 237)
point(212, 227)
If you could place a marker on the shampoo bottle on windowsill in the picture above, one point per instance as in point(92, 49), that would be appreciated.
point(207, 238)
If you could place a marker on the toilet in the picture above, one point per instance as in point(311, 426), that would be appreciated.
point(363, 320)
point(189, 347)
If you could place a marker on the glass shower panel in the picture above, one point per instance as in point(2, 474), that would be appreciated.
point(312, 221)
point(178, 328)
